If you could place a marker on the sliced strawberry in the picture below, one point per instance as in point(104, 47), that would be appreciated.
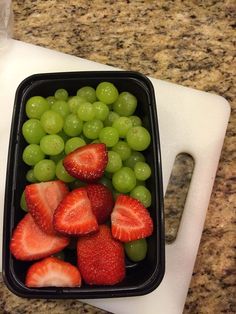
point(74, 215)
point(130, 220)
point(101, 258)
point(101, 201)
point(42, 199)
point(87, 163)
point(52, 272)
point(29, 242)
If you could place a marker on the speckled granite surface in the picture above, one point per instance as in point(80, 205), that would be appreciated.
point(191, 43)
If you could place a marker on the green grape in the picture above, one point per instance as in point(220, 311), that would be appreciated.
point(74, 103)
point(134, 157)
point(126, 104)
point(109, 136)
point(62, 174)
point(36, 106)
point(51, 100)
point(45, 170)
point(33, 131)
point(32, 154)
point(136, 250)
point(138, 138)
point(91, 129)
point(114, 162)
point(57, 158)
point(88, 93)
point(111, 118)
point(107, 92)
point(95, 141)
point(142, 170)
point(30, 176)
point(86, 112)
point(124, 180)
point(52, 122)
point(23, 204)
point(61, 94)
point(142, 194)
point(73, 125)
point(122, 125)
point(136, 121)
point(52, 144)
point(101, 110)
point(60, 255)
point(73, 143)
point(123, 149)
point(61, 107)
point(107, 182)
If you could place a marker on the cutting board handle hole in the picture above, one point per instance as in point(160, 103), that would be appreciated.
point(176, 194)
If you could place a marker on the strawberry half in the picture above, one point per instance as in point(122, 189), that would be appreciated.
point(101, 258)
point(42, 199)
point(29, 242)
point(101, 201)
point(52, 272)
point(87, 163)
point(130, 220)
point(74, 215)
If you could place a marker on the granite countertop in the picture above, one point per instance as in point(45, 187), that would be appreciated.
point(191, 43)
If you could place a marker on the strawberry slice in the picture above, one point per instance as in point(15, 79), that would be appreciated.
point(42, 199)
point(130, 219)
point(74, 215)
point(87, 163)
point(29, 242)
point(101, 258)
point(101, 201)
point(52, 272)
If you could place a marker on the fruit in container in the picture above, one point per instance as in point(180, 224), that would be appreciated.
point(101, 258)
point(42, 200)
point(96, 140)
point(29, 242)
point(74, 215)
point(52, 272)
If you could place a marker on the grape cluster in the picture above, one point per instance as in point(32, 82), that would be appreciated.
point(60, 123)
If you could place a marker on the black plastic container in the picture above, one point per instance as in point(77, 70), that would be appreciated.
point(141, 278)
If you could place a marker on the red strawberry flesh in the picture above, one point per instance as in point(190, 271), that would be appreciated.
point(101, 258)
point(87, 163)
point(52, 272)
point(29, 242)
point(130, 219)
point(42, 199)
point(101, 201)
point(74, 215)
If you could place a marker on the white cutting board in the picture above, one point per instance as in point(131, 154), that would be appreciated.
point(190, 121)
